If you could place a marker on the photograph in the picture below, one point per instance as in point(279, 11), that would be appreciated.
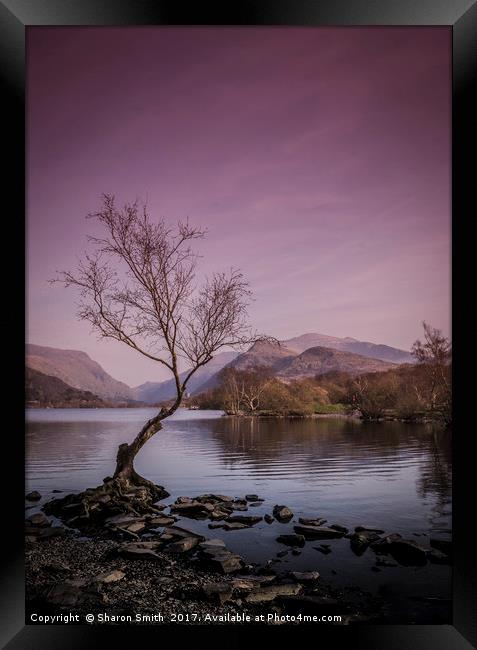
point(238, 360)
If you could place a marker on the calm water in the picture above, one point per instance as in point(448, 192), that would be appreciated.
point(388, 475)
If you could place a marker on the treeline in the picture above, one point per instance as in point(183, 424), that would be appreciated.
point(410, 392)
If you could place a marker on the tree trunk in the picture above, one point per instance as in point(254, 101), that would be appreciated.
point(126, 453)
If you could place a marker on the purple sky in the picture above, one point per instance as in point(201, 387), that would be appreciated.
point(318, 159)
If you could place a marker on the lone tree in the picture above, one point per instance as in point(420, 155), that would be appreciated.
point(138, 286)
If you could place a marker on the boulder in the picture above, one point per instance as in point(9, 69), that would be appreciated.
point(291, 540)
point(323, 548)
point(38, 519)
point(307, 577)
point(219, 592)
point(248, 520)
point(178, 531)
point(235, 526)
point(109, 576)
point(317, 532)
point(282, 514)
point(362, 529)
point(270, 592)
point(408, 552)
point(135, 552)
point(183, 545)
point(193, 509)
point(33, 496)
point(136, 527)
point(340, 529)
point(253, 498)
point(360, 541)
point(223, 561)
point(269, 519)
point(161, 521)
point(383, 545)
point(311, 522)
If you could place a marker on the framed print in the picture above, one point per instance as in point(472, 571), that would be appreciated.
point(240, 376)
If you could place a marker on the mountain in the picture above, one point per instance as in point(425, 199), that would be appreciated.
point(366, 349)
point(78, 370)
point(152, 392)
point(319, 360)
point(44, 390)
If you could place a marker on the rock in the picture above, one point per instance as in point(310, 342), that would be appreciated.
point(405, 551)
point(269, 519)
point(38, 519)
point(295, 551)
point(56, 567)
point(161, 521)
point(311, 522)
point(218, 515)
point(253, 497)
point(214, 498)
point(384, 544)
point(33, 496)
point(56, 491)
point(323, 548)
point(193, 509)
point(235, 526)
point(362, 529)
point(307, 577)
point(255, 504)
point(282, 553)
point(53, 531)
point(360, 541)
point(183, 545)
point(178, 531)
point(212, 544)
point(249, 582)
point(72, 593)
point(223, 561)
point(340, 529)
point(136, 527)
point(218, 591)
point(291, 540)
point(135, 552)
point(240, 504)
point(215, 526)
point(444, 545)
point(317, 532)
point(181, 500)
point(282, 513)
point(248, 520)
point(123, 520)
point(268, 593)
point(110, 576)
point(438, 557)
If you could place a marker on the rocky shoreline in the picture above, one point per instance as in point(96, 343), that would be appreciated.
point(126, 556)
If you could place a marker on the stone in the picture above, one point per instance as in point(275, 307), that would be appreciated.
point(307, 577)
point(135, 552)
point(52, 531)
point(383, 544)
point(214, 498)
point(340, 529)
point(408, 553)
point(253, 497)
point(248, 520)
point(161, 521)
point(438, 557)
point(360, 541)
point(192, 509)
point(295, 551)
point(33, 496)
point(270, 592)
point(122, 520)
point(38, 519)
point(136, 527)
point(178, 531)
point(224, 561)
point(362, 529)
point(215, 526)
point(317, 532)
point(291, 540)
point(282, 553)
point(323, 548)
point(282, 514)
point(235, 526)
point(269, 519)
point(183, 545)
point(311, 522)
point(212, 544)
point(218, 515)
point(124, 532)
point(218, 591)
point(110, 576)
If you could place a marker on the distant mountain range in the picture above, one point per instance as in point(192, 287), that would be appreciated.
point(78, 370)
point(303, 356)
point(45, 390)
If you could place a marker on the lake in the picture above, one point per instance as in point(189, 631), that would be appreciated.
point(388, 475)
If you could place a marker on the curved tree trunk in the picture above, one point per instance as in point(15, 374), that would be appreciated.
point(127, 453)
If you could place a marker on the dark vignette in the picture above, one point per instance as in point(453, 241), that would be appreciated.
point(462, 14)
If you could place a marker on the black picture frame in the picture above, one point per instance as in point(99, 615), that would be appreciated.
point(15, 17)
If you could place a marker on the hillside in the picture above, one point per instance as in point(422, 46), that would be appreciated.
point(78, 370)
point(152, 392)
point(44, 390)
point(320, 360)
point(364, 348)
